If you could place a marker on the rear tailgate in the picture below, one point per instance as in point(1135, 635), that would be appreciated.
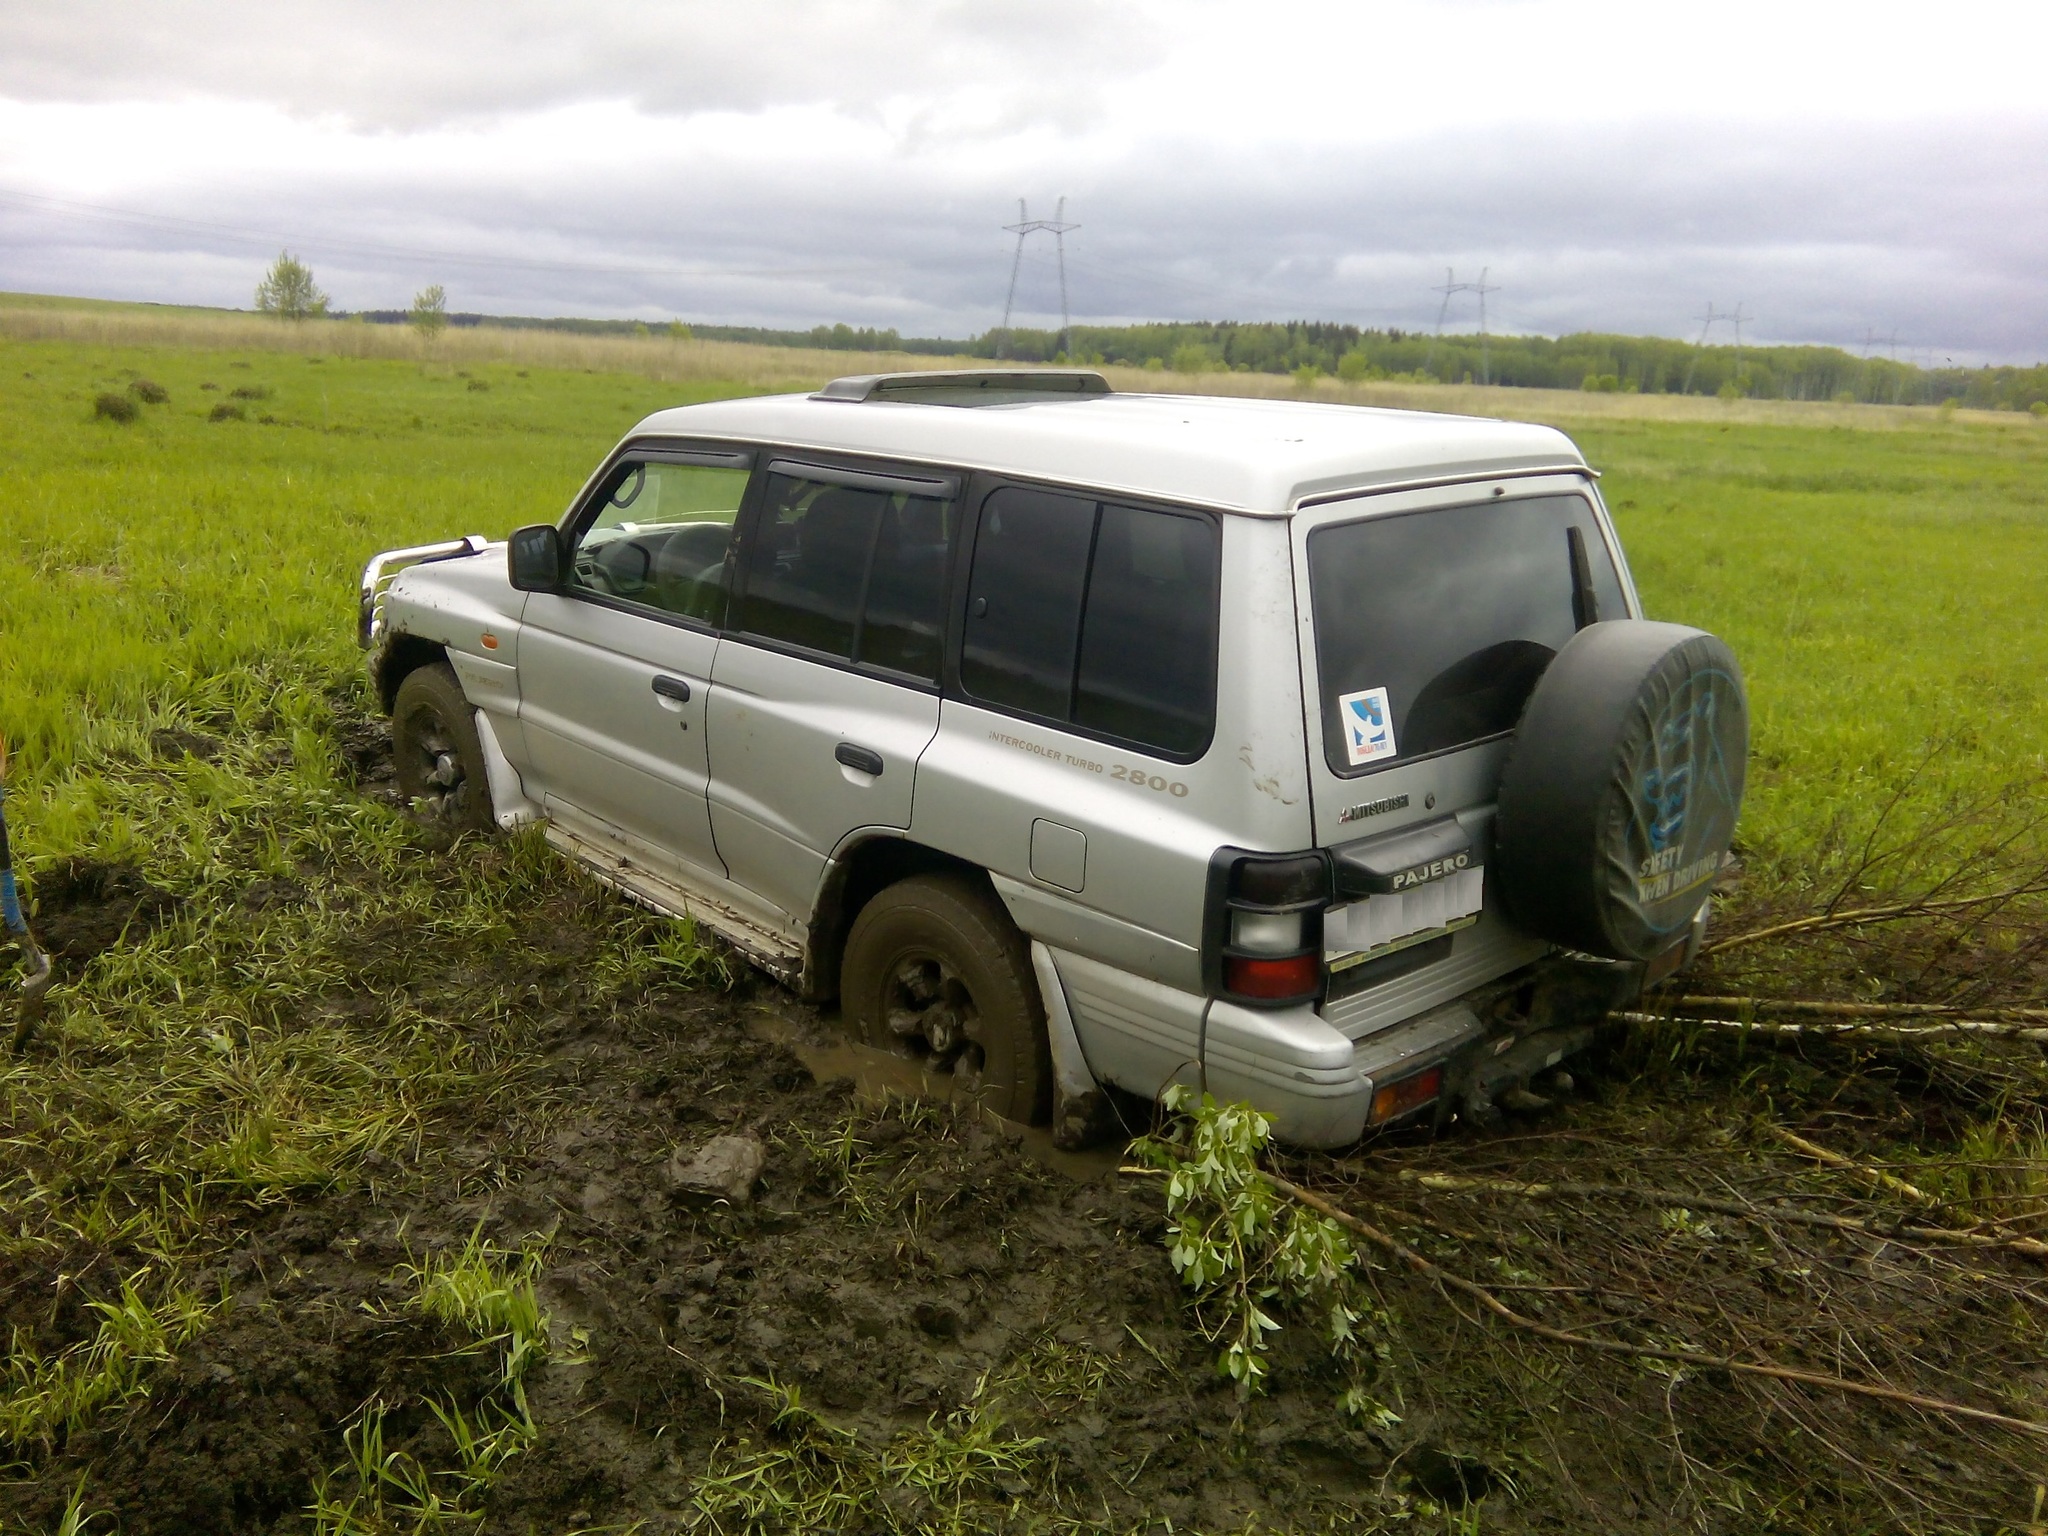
point(1426, 617)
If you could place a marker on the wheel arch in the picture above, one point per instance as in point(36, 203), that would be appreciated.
point(857, 874)
point(401, 655)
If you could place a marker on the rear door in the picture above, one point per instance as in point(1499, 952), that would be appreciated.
point(1425, 620)
point(614, 670)
point(826, 686)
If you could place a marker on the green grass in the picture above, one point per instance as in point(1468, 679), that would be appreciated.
point(181, 575)
point(1882, 589)
point(140, 557)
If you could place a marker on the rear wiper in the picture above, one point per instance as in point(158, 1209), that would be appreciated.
point(1585, 605)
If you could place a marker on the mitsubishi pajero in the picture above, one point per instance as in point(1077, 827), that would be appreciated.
point(1068, 738)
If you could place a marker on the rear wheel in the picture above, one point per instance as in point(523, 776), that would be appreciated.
point(936, 970)
point(437, 756)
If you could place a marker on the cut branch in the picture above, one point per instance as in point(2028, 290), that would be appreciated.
point(1865, 916)
point(1821, 1154)
point(1853, 1010)
point(1720, 1205)
point(1997, 1029)
point(1697, 1358)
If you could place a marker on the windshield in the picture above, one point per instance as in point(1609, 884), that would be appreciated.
point(1433, 627)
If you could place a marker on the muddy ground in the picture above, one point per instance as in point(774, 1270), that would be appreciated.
point(901, 1265)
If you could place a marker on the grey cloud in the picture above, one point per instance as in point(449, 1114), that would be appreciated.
point(1929, 229)
point(380, 64)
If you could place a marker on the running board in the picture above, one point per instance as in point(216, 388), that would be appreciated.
point(775, 954)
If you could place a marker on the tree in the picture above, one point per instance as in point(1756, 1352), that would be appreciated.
point(287, 290)
point(429, 311)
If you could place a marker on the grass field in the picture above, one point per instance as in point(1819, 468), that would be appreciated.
point(303, 1044)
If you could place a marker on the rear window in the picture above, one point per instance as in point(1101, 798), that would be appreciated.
point(1097, 616)
point(1433, 627)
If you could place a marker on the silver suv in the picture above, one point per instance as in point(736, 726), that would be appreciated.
point(1071, 738)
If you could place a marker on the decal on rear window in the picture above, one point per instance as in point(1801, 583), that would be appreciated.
point(1368, 726)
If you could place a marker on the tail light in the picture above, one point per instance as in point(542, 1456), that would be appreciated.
point(1266, 926)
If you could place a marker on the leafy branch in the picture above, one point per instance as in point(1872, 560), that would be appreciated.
point(1251, 1258)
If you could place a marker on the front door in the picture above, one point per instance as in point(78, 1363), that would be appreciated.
point(615, 670)
point(826, 686)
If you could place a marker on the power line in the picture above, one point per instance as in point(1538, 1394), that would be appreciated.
point(1027, 226)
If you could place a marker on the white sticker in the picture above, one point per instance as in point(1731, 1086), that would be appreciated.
point(1368, 726)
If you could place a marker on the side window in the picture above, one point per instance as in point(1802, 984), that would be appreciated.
point(854, 572)
point(1024, 600)
point(1148, 637)
point(1103, 617)
point(660, 536)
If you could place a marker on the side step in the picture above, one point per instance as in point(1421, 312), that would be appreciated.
point(775, 953)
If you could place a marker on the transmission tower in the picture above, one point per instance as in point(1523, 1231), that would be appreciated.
point(1022, 229)
point(1485, 346)
point(1453, 286)
point(1735, 319)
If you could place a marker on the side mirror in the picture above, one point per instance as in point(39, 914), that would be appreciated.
point(535, 555)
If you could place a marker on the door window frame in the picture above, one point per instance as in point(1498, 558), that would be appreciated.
point(590, 503)
point(856, 473)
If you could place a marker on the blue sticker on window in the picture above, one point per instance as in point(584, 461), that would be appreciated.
point(1368, 726)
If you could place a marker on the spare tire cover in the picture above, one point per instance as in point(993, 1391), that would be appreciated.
point(1621, 790)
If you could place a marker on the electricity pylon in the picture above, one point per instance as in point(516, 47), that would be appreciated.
point(1026, 226)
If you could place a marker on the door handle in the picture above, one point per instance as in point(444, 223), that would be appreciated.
point(673, 688)
point(859, 758)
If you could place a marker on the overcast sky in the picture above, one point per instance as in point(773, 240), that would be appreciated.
point(1839, 169)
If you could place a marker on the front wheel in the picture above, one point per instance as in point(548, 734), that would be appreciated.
point(936, 970)
point(437, 756)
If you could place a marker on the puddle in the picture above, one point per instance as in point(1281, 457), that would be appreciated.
point(814, 1036)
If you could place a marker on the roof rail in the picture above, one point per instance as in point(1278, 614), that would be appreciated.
point(967, 386)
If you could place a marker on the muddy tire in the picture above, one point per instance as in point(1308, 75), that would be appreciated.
point(936, 970)
point(437, 757)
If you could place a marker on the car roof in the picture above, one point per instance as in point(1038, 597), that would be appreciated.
point(1259, 456)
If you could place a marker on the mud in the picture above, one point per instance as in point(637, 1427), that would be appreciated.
point(888, 1278)
point(81, 909)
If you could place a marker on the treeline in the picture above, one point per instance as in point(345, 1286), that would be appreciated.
point(1311, 349)
point(1587, 360)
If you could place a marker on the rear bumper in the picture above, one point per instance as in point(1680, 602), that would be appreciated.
point(1316, 1083)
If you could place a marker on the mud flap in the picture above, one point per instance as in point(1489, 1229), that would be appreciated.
point(1081, 1112)
point(509, 805)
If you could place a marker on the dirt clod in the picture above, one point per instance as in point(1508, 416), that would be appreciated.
point(724, 1168)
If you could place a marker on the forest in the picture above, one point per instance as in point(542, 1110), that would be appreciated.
point(1309, 349)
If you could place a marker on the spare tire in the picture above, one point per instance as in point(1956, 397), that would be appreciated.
point(1619, 798)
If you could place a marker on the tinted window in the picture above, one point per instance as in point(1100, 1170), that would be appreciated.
point(660, 536)
point(1433, 627)
point(1024, 600)
point(905, 612)
point(1101, 616)
point(850, 572)
point(1148, 646)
